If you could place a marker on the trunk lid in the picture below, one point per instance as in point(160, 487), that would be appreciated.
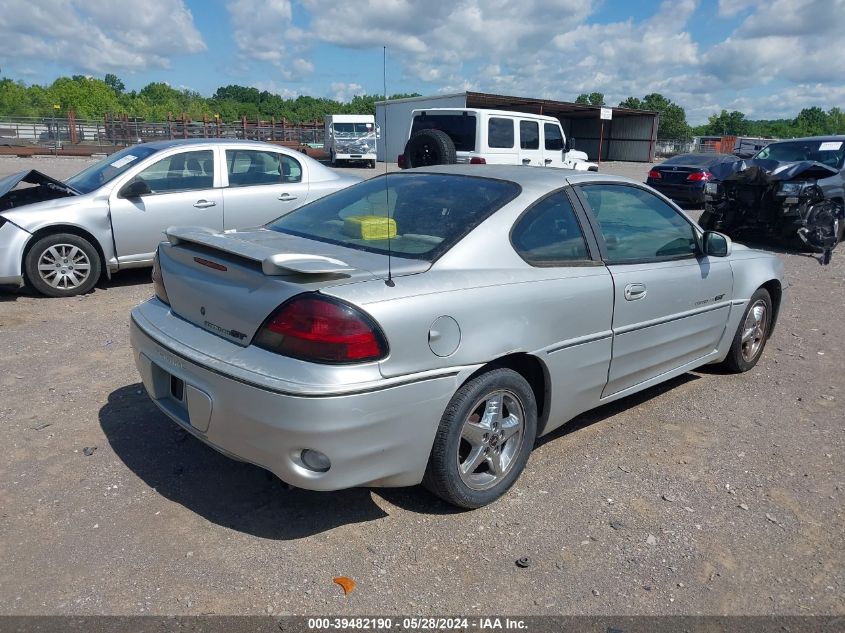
point(229, 283)
point(676, 175)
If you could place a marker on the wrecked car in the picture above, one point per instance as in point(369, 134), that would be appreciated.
point(791, 190)
point(59, 237)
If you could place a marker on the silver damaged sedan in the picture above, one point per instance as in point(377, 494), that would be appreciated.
point(61, 236)
point(427, 326)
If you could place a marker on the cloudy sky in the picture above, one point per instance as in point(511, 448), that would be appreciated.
point(768, 58)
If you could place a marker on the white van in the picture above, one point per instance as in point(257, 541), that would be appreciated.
point(351, 137)
point(439, 136)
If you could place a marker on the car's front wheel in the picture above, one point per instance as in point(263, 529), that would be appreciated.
point(485, 437)
point(752, 333)
point(62, 265)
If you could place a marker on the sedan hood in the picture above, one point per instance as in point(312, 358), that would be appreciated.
point(769, 171)
point(44, 188)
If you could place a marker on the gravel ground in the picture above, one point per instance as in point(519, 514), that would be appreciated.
point(711, 494)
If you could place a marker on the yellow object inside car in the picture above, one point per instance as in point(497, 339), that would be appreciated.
point(370, 227)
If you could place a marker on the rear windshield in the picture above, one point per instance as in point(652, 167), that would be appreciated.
point(459, 127)
point(698, 160)
point(423, 215)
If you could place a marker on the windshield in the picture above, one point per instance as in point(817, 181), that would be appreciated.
point(830, 153)
point(421, 216)
point(352, 130)
point(109, 168)
point(698, 160)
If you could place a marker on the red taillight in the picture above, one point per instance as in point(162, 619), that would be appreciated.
point(323, 330)
point(477, 160)
point(700, 176)
point(158, 282)
point(654, 175)
point(400, 160)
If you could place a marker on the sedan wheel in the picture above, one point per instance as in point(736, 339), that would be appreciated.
point(754, 330)
point(491, 438)
point(484, 439)
point(752, 333)
point(62, 265)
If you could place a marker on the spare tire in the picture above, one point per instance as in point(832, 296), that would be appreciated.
point(430, 147)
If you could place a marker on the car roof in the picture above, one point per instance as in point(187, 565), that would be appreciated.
point(829, 137)
point(168, 143)
point(523, 175)
point(489, 111)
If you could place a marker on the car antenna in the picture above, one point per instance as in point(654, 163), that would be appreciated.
point(389, 281)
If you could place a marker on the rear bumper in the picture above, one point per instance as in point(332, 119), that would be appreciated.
point(379, 437)
point(13, 241)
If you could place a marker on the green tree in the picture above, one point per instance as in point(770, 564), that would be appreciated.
point(672, 122)
point(728, 123)
point(114, 82)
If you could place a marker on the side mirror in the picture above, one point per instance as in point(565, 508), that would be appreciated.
point(135, 189)
point(715, 244)
point(567, 144)
point(378, 131)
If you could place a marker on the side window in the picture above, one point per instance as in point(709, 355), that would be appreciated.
point(185, 171)
point(500, 132)
point(637, 225)
point(554, 139)
point(529, 135)
point(248, 167)
point(549, 233)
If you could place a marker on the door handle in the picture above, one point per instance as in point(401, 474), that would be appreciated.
point(205, 204)
point(285, 197)
point(635, 291)
point(526, 161)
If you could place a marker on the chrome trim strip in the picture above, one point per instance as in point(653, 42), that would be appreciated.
point(581, 340)
point(674, 317)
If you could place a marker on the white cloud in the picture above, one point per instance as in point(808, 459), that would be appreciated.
point(98, 35)
point(345, 91)
point(263, 30)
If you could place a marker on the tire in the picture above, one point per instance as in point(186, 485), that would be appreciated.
point(430, 147)
point(474, 432)
point(751, 334)
point(372, 164)
point(62, 265)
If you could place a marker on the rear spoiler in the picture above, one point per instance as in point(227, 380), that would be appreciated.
point(272, 262)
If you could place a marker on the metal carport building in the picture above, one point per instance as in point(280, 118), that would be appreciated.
point(629, 136)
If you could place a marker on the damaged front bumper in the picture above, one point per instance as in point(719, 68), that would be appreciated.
point(13, 241)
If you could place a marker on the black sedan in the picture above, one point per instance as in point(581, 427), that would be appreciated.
point(682, 178)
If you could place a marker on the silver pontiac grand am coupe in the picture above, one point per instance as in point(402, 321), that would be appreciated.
point(60, 236)
point(427, 326)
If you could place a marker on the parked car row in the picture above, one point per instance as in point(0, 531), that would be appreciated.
point(791, 190)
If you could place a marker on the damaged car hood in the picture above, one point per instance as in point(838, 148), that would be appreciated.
point(766, 171)
point(43, 188)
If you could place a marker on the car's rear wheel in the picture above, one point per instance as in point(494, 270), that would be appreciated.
point(62, 265)
point(485, 437)
point(752, 333)
point(430, 147)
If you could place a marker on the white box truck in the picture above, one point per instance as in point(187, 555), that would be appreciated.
point(351, 137)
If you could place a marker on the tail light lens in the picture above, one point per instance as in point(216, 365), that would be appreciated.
point(322, 330)
point(700, 176)
point(654, 175)
point(400, 160)
point(477, 160)
point(158, 282)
